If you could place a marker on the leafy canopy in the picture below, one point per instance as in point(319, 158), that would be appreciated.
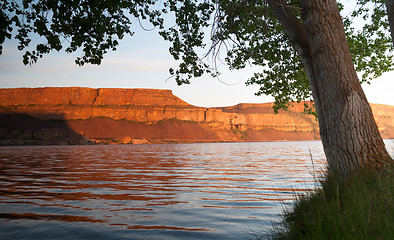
point(240, 31)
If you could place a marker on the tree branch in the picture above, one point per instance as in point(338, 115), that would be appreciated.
point(390, 13)
point(291, 25)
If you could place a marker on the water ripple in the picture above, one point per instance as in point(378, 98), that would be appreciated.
point(174, 191)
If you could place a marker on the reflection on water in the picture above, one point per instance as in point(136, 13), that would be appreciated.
point(179, 191)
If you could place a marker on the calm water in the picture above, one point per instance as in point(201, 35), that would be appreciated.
point(174, 191)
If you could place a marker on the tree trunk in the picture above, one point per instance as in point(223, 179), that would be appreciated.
point(390, 13)
point(349, 134)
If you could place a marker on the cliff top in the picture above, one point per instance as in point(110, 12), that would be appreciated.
point(57, 96)
point(83, 96)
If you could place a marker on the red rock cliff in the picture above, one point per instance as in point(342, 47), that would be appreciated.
point(125, 115)
point(77, 96)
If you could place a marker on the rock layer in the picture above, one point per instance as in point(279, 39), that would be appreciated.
point(151, 115)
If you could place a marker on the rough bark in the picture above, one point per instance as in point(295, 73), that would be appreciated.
point(349, 134)
point(390, 13)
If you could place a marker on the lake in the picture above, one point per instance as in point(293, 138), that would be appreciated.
point(157, 191)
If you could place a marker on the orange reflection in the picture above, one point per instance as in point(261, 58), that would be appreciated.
point(121, 185)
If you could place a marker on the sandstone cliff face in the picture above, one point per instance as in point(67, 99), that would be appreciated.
point(126, 115)
point(384, 117)
point(77, 96)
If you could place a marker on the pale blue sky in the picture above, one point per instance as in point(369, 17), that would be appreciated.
point(142, 61)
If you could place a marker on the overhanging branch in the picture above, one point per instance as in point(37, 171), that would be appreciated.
point(291, 25)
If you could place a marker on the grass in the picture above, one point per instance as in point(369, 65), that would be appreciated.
point(361, 208)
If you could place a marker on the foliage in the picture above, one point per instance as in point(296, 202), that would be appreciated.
point(362, 208)
point(251, 34)
point(242, 32)
point(90, 25)
point(370, 44)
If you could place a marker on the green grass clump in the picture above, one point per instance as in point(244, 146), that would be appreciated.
point(360, 208)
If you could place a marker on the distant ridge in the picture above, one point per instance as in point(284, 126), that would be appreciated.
point(76, 115)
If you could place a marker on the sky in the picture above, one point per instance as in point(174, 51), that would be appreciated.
point(142, 61)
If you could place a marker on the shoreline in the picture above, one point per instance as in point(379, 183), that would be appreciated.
point(27, 143)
